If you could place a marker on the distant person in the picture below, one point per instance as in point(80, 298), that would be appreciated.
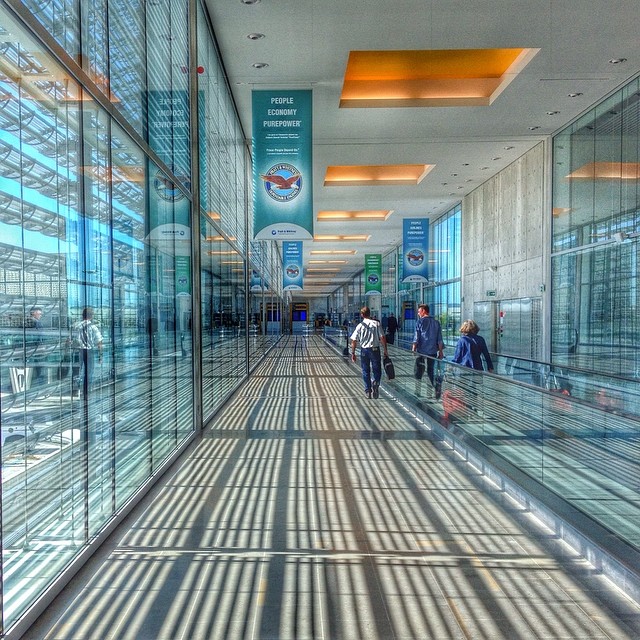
point(427, 339)
point(36, 340)
point(87, 339)
point(36, 320)
point(369, 334)
point(392, 327)
point(471, 348)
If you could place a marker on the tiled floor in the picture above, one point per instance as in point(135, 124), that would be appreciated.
point(308, 511)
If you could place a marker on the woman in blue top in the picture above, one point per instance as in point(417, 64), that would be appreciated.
point(471, 348)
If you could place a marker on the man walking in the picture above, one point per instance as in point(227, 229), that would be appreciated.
point(369, 334)
point(427, 338)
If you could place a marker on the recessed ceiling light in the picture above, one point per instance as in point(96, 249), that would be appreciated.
point(552, 113)
point(617, 60)
point(249, 1)
point(496, 158)
point(260, 65)
point(574, 95)
point(454, 175)
point(533, 128)
point(465, 164)
point(509, 148)
point(483, 168)
point(255, 36)
point(333, 252)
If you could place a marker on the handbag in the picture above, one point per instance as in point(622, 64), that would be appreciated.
point(389, 368)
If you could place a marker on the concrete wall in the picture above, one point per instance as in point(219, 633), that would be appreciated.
point(503, 226)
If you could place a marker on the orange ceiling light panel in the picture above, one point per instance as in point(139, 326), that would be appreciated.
point(430, 78)
point(371, 175)
point(607, 171)
point(341, 216)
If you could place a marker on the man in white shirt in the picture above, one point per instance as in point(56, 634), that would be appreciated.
point(369, 334)
point(88, 341)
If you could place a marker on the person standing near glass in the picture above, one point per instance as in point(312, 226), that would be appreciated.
point(427, 339)
point(471, 348)
point(37, 343)
point(88, 341)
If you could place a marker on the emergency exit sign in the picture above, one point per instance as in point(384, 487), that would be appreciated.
point(491, 293)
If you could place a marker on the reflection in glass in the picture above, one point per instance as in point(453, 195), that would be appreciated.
point(596, 224)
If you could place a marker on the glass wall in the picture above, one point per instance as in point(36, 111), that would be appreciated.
point(96, 313)
point(442, 293)
point(596, 224)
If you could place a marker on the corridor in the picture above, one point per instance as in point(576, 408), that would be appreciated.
point(309, 511)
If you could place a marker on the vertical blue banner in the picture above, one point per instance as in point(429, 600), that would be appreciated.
point(372, 274)
point(282, 165)
point(291, 266)
point(415, 250)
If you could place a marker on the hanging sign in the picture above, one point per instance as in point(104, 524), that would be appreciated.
point(291, 266)
point(282, 165)
point(373, 274)
point(415, 250)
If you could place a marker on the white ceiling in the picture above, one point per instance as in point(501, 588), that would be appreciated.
point(307, 43)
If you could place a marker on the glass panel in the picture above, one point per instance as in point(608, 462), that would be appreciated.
point(95, 46)
point(60, 18)
point(596, 225)
point(43, 452)
point(133, 336)
point(168, 90)
point(127, 59)
point(90, 305)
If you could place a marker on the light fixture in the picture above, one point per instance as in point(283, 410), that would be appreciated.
point(552, 113)
point(378, 175)
point(333, 252)
point(369, 214)
point(327, 262)
point(250, 1)
point(617, 60)
point(496, 158)
point(255, 36)
point(260, 65)
point(430, 78)
point(509, 147)
point(533, 128)
point(574, 95)
point(342, 238)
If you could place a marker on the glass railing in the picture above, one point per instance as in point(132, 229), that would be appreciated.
point(544, 426)
point(616, 394)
